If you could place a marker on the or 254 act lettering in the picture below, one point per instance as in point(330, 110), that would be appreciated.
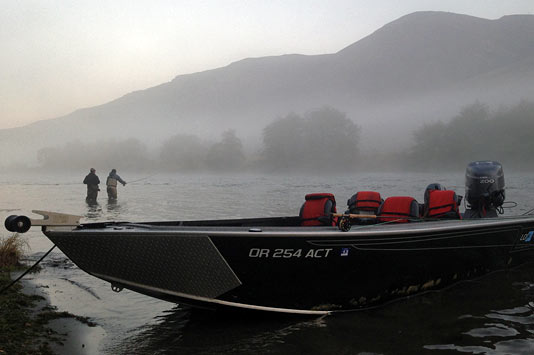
point(288, 253)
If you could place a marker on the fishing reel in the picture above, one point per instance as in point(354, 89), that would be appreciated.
point(344, 224)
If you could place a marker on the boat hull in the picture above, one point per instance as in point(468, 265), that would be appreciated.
point(312, 270)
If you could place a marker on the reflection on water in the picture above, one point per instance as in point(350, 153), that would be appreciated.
point(184, 330)
point(493, 315)
point(114, 209)
point(94, 210)
point(499, 331)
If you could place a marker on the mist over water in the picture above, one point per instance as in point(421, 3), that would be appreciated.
point(322, 141)
point(421, 69)
point(490, 315)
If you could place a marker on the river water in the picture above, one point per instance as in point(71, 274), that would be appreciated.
point(491, 315)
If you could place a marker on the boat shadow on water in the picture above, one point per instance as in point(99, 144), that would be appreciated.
point(491, 315)
point(189, 330)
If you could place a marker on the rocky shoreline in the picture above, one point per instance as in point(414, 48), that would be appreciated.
point(29, 324)
point(23, 319)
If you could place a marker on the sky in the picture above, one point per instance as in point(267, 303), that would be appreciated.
point(57, 56)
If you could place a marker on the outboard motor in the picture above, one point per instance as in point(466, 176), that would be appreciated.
point(484, 189)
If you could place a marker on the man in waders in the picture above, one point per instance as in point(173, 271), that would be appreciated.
point(111, 183)
point(92, 181)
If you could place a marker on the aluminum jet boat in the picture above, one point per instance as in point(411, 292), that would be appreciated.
point(287, 264)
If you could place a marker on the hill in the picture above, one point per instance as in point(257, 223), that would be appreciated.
point(422, 67)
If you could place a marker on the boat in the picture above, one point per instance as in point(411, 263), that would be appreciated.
point(277, 264)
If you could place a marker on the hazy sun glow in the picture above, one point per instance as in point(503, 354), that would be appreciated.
point(59, 56)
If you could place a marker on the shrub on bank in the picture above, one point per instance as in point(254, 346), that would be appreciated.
point(22, 329)
point(11, 251)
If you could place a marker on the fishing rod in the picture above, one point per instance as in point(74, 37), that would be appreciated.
point(131, 182)
point(77, 183)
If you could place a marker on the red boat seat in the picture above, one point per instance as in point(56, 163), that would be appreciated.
point(398, 209)
point(317, 210)
point(366, 202)
point(442, 204)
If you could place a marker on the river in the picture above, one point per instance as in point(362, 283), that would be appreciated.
point(491, 315)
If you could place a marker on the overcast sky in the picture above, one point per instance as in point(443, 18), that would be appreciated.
point(58, 56)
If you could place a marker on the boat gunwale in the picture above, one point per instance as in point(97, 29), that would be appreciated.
point(389, 229)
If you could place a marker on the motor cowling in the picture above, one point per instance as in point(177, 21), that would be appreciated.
point(484, 188)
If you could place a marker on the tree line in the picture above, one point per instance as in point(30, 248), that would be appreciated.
point(320, 141)
point(178, 153)
point(477, 133)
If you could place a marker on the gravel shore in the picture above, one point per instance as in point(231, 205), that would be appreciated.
point(29, 324)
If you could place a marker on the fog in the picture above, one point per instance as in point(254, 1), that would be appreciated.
point(59, 57)
point(402, 98)
point(322, 141)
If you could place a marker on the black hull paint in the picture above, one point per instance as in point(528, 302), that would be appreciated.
point(314, 270)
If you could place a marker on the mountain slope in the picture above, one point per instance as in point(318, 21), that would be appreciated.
point(423, 66)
